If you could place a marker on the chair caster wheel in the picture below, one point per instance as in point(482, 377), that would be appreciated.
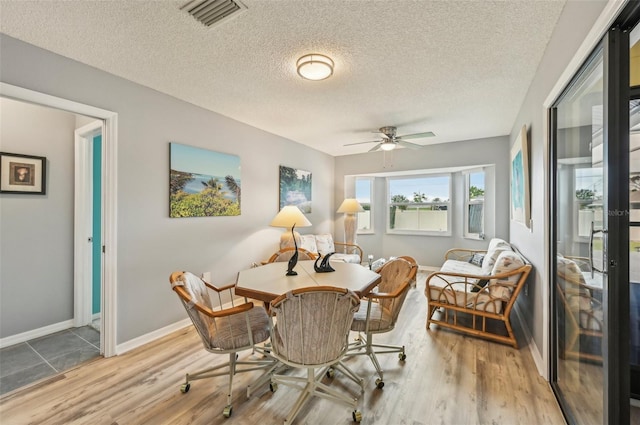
point(185, 388)
point(402, 356)
point(357, 416)
point(331, 372)
point(379, 383)
point(227, 411)
point(273, 387)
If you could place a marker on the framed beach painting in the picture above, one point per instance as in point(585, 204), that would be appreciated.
point(203, 183)
point(295, 188)
point(520, 197)
point(22, 173)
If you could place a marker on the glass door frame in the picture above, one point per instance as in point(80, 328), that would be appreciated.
point(616, 346)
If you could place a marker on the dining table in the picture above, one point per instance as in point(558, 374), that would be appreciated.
point(267, 282)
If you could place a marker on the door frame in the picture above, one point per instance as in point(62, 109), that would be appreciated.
point(109, 198)
point(83, 223)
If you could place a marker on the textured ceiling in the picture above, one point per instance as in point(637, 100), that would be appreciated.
point(458, 68)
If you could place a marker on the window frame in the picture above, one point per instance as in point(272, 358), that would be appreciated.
point(449, 204)
point(371, 229)
point(468, 202)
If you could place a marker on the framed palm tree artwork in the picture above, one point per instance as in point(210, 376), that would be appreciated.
point(203, 183)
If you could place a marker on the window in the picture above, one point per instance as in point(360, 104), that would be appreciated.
point(474, 204)
point(419, 204)
point(364, 195)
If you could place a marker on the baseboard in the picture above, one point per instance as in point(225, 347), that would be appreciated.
point(533, 348)
point(151, 336)
point(35, 333)
point(96, 316)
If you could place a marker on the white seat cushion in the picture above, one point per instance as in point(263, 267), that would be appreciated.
point(380, 317)
point(454, 290)
point(347, 258)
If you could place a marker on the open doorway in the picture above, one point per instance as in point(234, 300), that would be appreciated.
point(50, 258)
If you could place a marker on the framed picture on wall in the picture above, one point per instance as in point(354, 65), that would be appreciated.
point(520, 201)
point(203, 183)
point(295, 188)
point(22, 173)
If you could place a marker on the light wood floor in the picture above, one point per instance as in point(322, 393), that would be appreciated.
point(447, 379)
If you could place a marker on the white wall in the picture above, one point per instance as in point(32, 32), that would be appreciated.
point(150, 244)
point(573, 25)
point(430, 250)
point(36, 231)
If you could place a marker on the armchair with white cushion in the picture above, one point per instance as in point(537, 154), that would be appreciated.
point(323, 244)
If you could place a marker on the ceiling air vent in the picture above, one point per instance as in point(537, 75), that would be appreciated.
point(210, 12)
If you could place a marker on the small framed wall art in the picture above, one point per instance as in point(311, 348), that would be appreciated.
point(520, 201)
point(22, 173)
point(295, 188)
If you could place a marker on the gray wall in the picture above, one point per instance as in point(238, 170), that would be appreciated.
point(430, 250)
point(150, 244)
point(576, 20)
point(36, 231)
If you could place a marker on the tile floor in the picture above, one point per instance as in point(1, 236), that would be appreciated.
point(30, 361)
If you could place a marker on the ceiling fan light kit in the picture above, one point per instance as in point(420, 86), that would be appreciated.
point(315, 67)
point(387, 146)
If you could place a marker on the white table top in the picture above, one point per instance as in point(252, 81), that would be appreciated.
point(269, 281)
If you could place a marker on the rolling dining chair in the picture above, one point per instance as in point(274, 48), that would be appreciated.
point(310, 330)
point(224, 330)
point(379, 311)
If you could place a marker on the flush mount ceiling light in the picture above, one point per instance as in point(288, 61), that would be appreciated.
point(315, 67)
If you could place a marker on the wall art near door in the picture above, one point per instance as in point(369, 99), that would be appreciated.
point(520, 203)
point(203, 183)
point(295, 188)
point(22, 173)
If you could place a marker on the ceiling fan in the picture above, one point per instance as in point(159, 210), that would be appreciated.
point(390, 140)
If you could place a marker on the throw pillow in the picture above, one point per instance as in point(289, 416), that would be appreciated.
point(476, 259)
point(325, 245)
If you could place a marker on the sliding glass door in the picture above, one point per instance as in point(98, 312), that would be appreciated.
point(594, 235)
point(579, 283)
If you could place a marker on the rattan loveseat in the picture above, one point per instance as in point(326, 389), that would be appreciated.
point(473, 288)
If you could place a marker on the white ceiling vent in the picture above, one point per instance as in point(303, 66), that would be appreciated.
point(210, 12)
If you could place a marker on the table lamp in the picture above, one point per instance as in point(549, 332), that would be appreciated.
point(290, 217)
point(350, 207)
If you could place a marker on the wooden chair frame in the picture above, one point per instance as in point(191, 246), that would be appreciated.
point(393, 302)
point(310, 385)
point(301, 253)
point(233, 366)
point(478, 326)
point(349, 248)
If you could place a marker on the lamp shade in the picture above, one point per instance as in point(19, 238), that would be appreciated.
point(288, 216)
point(350, 205)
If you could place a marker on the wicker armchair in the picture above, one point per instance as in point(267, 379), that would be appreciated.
point(469, 293)
point(224, 330)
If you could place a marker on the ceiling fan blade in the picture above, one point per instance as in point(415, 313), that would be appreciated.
point(410, 145)
point(360, 143)
point(417, 135)
point(375, 148)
